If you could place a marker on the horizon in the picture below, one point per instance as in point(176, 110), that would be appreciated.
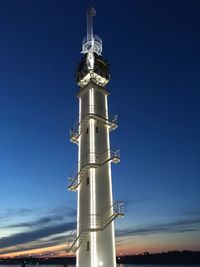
point(144, 253)
point(153, 51)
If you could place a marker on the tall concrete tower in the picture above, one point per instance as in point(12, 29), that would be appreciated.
point(94, 242)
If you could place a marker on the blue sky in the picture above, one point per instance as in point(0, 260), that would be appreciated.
point(153, 49)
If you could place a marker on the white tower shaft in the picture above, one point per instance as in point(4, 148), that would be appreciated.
point(95, 191)
point(94, 243)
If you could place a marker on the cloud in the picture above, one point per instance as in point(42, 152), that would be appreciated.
point(136, 201)
point(131, 205)
point(53, 235)
point(41, 229)
point(179, 226)
point(58, 214)
point(38, 223)
point(6, 213)
point(64, 210)
point(59, 238)
point(190, 212)
point(37, 244)
point(30, 236)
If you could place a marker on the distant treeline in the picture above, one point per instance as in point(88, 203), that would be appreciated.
point(171, 257)
point(38, 261)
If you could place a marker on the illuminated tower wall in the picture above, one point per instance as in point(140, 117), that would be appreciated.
point(94, 243)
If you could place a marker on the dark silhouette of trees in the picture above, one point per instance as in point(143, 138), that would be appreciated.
point(172, 257)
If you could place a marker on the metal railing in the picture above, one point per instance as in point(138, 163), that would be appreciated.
point(93, 160)
point(96, 38)
point(92, 44)
point(95, 223)
point(79, 126)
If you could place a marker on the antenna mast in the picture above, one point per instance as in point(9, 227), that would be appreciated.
point(91, 43)
point(90, 14)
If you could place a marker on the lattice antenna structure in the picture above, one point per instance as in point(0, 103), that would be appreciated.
point(91, 43)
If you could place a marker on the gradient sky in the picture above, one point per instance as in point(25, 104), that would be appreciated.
point(153, 49)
